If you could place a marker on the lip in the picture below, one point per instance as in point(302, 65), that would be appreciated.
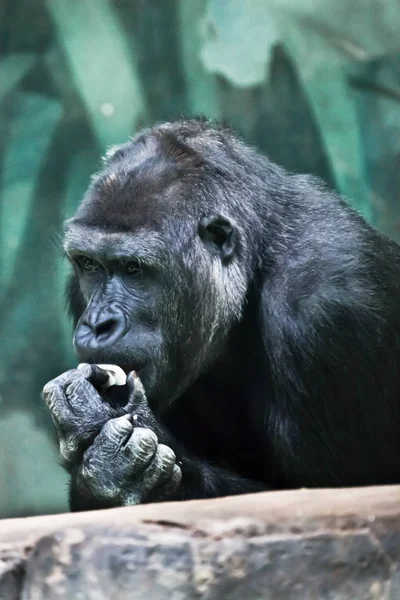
point(135, 369)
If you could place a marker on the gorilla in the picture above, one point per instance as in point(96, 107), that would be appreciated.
point(256, 315)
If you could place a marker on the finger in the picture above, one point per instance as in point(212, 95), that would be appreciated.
point(172, 485)
point(84, 399)
point(81, 392)
point(140, 449)
point(160, 469)
point(58, 385)
point(115, 434)
point(103, 457)
point(116, 460)
point(55, 398)
point(70, 398)
point(136, 392)
point(94, 374)
point(70, 448)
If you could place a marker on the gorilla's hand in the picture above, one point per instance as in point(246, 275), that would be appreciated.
point(127, 465)
point(79, 411)
point(119, 454)
point(113, 463)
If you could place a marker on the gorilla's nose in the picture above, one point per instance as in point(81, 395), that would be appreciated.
point(98, 329)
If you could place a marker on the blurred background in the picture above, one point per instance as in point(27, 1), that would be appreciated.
point(315, 84)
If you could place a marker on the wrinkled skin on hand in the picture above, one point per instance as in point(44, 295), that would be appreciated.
point(109, 445)
point(126, 465)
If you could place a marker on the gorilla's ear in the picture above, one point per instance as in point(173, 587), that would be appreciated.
point(219, 236)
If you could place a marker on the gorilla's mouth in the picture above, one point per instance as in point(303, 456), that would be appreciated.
point(136, 369)
point(116, 390)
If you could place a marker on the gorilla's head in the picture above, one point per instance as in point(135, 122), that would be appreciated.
point(159, 247)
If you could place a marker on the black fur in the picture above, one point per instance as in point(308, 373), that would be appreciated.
point(300, 382)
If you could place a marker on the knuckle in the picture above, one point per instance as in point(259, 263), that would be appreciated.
point(49, 389)
point(142, 446)
point(145, 437)
point(58, 382)
point(167, 455)
point(68, 448)
point(76, 385)
point(176, 475)
point(53, 405)
point(80, 392)
point(117, 427)
point(84, 369)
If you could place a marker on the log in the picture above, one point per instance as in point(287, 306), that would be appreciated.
point(341, 544)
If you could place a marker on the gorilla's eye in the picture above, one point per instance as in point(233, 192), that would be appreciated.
point(88, 264)
point(132, 267)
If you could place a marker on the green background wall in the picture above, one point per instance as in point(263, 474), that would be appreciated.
point(315, 84)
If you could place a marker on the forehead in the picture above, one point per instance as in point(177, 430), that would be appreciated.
point(114, 243)
point(142, 186)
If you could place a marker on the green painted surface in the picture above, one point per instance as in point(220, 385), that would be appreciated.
point(314, 84)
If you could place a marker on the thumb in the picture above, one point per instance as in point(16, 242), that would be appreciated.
point(136, 393)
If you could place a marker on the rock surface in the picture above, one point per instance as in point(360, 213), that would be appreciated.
point(300, 545)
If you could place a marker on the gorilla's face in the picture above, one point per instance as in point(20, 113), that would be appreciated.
point(122, 288)
point(153, 280)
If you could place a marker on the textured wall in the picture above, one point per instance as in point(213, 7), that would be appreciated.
point(315, 84)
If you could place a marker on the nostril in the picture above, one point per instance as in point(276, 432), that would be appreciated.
point(105, 328)
point(96, 330)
